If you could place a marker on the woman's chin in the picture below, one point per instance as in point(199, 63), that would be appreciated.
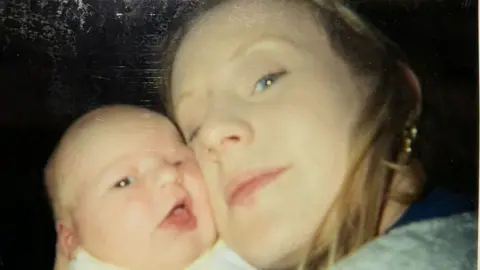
point(275, 259)
point(277, 249)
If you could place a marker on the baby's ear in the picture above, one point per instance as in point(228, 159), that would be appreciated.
point(67, 239)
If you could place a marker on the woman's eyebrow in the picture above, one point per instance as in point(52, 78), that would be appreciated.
point(260, 42)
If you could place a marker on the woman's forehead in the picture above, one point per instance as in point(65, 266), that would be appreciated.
point(219, 33)
point(238, 20)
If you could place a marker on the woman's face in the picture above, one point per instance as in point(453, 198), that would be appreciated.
point(269, 110)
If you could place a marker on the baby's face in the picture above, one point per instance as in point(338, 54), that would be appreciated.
point(141, 201)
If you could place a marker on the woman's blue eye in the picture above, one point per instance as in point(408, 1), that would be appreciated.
point(267, 81)
point(124, 182)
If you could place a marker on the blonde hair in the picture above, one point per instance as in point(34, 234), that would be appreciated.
point(58, 190)
point(51, 185)
point(58, 177)
point(377, 150)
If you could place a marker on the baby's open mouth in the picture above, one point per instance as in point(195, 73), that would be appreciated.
point(180, 216)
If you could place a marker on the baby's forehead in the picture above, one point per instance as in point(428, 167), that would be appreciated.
point(107, 136)
point(119, 125)
point(122, 119)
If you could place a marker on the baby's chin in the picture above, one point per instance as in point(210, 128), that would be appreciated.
point(186, 247)
point(186, 256)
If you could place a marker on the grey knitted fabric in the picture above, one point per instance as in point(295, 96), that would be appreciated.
point(438, 244)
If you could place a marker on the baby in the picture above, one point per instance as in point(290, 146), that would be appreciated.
point(128, 194)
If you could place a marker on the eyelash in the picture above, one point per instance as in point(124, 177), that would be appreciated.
point(273, 77)
point(122, 183)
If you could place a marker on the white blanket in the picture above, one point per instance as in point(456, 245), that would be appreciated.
point(84, 261)
point(220, 257)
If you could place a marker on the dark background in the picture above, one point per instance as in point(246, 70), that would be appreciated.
point(59, 59)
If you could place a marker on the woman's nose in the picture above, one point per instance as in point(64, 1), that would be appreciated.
point(224, 135)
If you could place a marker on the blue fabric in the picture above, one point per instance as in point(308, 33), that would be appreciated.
point(438, 203)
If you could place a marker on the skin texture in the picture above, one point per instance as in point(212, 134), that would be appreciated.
point(127, 167)
point(271, 94)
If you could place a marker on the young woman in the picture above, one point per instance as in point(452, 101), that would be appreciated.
point(304, 121)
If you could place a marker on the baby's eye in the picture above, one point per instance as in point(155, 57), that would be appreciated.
point(124, 182)
point(267, 80)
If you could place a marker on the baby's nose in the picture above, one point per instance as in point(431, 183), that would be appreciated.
point(169, 174)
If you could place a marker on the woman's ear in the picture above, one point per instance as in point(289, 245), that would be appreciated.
point(414, 83)
point(67, 239)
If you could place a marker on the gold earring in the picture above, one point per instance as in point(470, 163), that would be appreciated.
point(409, 136)
point(410, 132)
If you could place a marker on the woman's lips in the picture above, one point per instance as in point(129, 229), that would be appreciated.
point(180, 216)
point(246, 184)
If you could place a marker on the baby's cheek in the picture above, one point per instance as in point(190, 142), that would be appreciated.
point(141, 209)
point(131, 215)
point(193, 181)
point(193, 171)
point(199, 191)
